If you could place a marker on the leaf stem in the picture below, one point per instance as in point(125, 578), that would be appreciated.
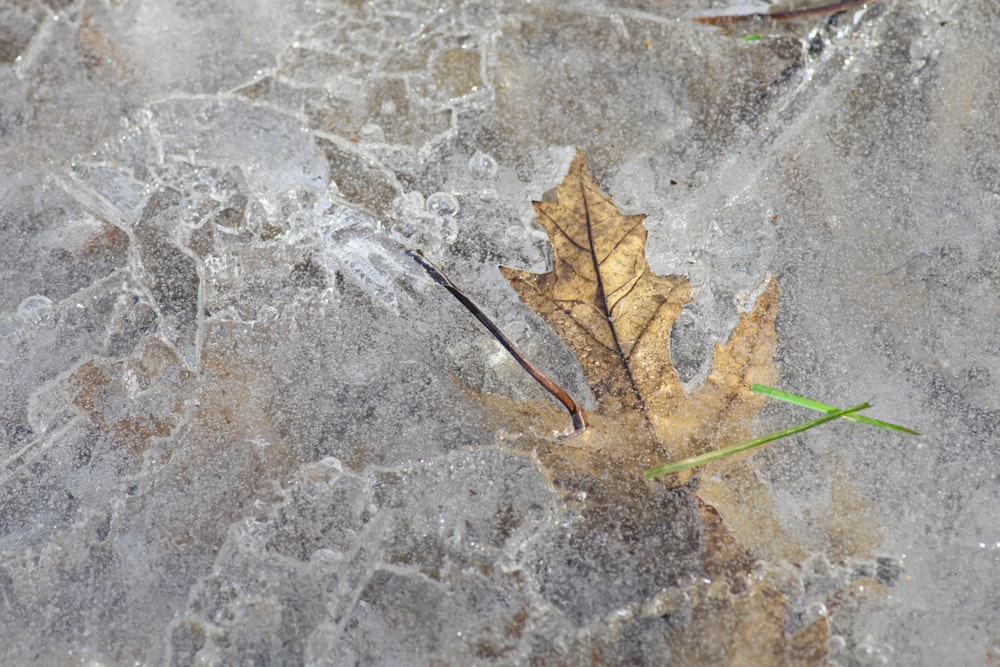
point(717, 454)
point(576, 412)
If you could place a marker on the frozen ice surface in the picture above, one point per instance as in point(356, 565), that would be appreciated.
point(239, 426)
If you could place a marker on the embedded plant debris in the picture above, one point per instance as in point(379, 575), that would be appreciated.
point(617, 315)
point(575, 411)
point(783, 15)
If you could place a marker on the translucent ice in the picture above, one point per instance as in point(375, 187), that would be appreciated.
point(37, 311)
point(238, 425)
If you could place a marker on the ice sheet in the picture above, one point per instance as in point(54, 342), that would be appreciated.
point(238, 425)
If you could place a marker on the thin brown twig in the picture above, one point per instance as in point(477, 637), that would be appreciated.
point(575, 411)
point(784, 15)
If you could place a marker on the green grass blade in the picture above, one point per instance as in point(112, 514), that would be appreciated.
point(717, 454)
point(804, 402)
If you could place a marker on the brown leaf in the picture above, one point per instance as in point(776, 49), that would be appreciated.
point(617, 316)
point(602, 298)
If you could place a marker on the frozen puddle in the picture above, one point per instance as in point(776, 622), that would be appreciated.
point(238, 425)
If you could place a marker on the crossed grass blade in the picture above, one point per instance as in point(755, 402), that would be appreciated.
point(717, 454)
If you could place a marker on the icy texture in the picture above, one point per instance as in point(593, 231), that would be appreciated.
point(239, 426)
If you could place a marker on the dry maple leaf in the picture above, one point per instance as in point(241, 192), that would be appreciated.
point(617, 316)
